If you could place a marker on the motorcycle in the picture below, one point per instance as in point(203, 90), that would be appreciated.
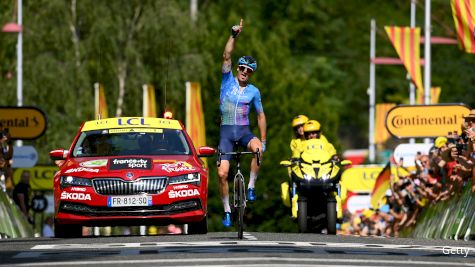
point(313, 190)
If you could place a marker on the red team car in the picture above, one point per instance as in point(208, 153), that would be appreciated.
point(130, 171)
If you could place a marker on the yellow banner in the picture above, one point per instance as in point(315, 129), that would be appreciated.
point(149, 103)
point(406, 121)
point(100, 103)
point(381, 133)
point(41, 177)
point(195, 122)
point(361, 178)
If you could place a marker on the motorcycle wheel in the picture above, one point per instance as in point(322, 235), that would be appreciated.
point(331, 217)
point(302, 216)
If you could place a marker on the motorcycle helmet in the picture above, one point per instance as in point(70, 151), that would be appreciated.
point(311, 126)
point(248, 61)
point(299, 120)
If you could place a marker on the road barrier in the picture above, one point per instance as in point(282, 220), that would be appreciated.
point(450, 219)
point(12, 222)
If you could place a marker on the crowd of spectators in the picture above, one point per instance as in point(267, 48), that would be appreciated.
point(6, 155)
point(441, 174)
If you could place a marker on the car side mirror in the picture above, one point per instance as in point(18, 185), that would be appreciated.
point(206, 151)
point(59, 154)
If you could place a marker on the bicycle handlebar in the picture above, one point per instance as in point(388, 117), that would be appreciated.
point(238, 153)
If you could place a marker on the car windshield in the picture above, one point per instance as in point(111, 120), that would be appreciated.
point(121, 142)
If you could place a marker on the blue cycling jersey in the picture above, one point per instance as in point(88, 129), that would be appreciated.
point(235, 104)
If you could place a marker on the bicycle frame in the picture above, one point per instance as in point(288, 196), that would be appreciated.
point(239, 195)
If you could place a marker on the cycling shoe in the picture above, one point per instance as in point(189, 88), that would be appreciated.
point(251, 194)
point(227, 222)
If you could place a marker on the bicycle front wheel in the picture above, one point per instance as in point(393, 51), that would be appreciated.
point(240, 202)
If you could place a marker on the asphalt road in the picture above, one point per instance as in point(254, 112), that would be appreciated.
point(224, 249)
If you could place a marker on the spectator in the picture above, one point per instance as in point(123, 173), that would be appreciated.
point(6, 155)
point(21, 194)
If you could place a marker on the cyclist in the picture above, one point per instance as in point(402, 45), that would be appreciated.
point(237, 96)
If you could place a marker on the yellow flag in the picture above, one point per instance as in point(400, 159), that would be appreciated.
point(100, 103)
point(195, 122)
point(464, 19)
point(149, 103)
point(406, 41)
point(434, 95)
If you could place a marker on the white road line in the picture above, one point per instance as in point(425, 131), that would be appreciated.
point(240, 262)
point(245, 243)
point(248, 236)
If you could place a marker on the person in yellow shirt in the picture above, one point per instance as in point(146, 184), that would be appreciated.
point(315, 139)
point(295, 144)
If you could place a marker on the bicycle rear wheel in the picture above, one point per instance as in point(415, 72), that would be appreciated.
point(240, 202)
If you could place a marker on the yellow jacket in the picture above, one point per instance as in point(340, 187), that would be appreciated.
point(297, 146)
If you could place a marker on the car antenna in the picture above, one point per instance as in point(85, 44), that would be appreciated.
point(166, 76)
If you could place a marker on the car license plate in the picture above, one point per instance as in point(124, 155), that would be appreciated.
point(129, 201)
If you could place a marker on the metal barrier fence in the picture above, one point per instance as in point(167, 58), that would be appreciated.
point(13, 223)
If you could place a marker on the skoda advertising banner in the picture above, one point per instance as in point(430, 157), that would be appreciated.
point(407, 121)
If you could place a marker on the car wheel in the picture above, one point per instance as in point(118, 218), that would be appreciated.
point(67, 231)
point(198, 228)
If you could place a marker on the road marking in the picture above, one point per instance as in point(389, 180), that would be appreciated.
point(276, 261)
point(250, 242)
point(248, 236)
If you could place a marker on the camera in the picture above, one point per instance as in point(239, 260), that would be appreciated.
point(460, 147)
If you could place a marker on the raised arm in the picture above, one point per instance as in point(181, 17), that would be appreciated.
point(229, 48)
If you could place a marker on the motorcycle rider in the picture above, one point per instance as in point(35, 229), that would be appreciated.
point(298, 123)
point(304, 129)
point(315, 140)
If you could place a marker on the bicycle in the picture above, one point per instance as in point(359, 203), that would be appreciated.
point(239, 191)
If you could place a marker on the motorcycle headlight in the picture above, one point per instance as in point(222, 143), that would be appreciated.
point(191, 178)
point(67, 181)
point(326, 176)
point(307, 177)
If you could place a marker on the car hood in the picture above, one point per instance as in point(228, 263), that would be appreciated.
point(130, 167)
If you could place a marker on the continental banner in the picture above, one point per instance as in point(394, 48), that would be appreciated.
point(41, 177)
point(405, 121)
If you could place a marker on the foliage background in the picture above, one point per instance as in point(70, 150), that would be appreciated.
point(313, 58)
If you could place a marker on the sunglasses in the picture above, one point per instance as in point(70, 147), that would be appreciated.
point(245, 69)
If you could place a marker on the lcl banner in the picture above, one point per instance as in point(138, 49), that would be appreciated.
point(406, 121)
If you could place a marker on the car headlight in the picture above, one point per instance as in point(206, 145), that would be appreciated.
point(185, 179)
point(67, 181)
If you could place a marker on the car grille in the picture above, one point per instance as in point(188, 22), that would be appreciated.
point(116, 186)
point(158, 210)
